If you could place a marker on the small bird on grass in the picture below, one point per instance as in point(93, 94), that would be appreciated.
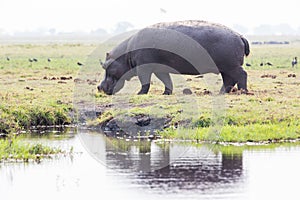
point(80, 64)
point(270, 64)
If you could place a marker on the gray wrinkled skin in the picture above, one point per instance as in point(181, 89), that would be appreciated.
point(186, 47)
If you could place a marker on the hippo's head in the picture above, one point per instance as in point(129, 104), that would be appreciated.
point(114, 70)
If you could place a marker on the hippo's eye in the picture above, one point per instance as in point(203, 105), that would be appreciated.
point(114, 77)
point(110, 75)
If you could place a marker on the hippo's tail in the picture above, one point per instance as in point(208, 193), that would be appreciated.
point(247, 48)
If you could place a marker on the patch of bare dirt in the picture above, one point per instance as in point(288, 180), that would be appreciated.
point(268, 76)
point(235, 91)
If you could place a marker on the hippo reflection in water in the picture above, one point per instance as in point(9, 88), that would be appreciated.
point(195, 169)
point(185, 47)
point(167, 165)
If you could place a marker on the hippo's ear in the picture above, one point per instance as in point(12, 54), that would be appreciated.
point(107, 55)
point(102, 64)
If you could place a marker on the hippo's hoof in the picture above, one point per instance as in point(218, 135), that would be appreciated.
point(167, 92)
point(142, 92)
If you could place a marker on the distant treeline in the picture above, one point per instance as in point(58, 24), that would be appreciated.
point(270, 42)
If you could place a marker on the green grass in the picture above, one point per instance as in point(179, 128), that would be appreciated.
point(21, 117)
point(17, 150)
point(233, 133)
point(33, 94)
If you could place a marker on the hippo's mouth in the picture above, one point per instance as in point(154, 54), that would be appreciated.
point(109, 92)
point(111, 89)
point(106, 91)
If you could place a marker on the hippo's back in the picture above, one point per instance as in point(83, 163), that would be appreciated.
point(202, 31)
point(224, 45)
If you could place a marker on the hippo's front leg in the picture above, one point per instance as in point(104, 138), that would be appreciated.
point(144, 77)
point(145, 89)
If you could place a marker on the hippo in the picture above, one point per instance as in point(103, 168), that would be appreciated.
point(190, 47)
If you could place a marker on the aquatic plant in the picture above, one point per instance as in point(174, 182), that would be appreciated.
point(15, 149)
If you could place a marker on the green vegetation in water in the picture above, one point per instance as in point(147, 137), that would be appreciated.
point(233, 133)
point(18, 118)
point(17, 150)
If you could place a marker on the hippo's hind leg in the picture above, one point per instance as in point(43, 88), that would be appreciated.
point(166, 79)
point(228, 83)
point(240, 75)
point(145, 78)
point(237, 76)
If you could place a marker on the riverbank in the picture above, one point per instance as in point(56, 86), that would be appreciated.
point(269, 113)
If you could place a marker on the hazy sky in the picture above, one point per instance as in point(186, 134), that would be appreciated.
point(87, 15)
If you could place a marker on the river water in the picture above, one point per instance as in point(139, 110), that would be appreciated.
point(105, 168)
